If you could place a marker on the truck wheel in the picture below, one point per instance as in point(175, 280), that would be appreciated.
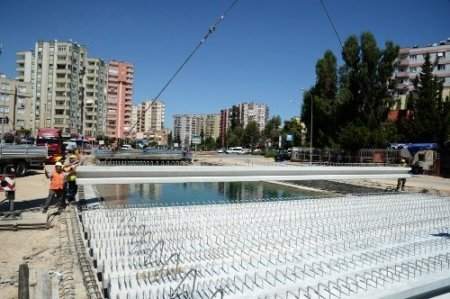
point(21, 169)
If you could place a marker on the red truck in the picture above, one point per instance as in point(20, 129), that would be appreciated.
point(52, 138)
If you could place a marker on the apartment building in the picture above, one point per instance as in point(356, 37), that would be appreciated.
point(410, 61)
point(185, 126)
point(151, 116)
point(94, 106)
point(211, 126)
point(148, 119)
point(56, 71)
point(242, 114)
point(16, 99)
point(119, 99)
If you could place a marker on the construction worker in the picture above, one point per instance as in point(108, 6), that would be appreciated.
point(56, 187)
point(401, 182)
point(70, 167)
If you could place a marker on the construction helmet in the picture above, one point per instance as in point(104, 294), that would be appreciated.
point(72, 157)
point(402, 161)
point(58, 164)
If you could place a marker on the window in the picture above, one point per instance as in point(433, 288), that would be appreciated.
point(413, 69)
point(20, 101)
point(62, 48)
point(21, 89)
point(4, 109)
point(5, 86)
point(20, 123)
point(4, 97)
point(440, 55)
point(441, 67)
point(413, 57)
point(20, 111)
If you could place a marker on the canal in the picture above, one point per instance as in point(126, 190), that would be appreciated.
point(198, 193)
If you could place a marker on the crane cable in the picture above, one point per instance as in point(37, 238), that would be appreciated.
point(210, 31)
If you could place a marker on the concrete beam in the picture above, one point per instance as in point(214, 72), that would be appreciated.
point(96, 175)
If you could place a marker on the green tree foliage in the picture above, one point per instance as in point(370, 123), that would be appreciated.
point(209, 143)
point(235, 136)
point(252, 135)
point(351, 103)
point(271, 131)
point(294, 128)
point(430, 113)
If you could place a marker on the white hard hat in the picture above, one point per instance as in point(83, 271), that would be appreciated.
point(58, 164)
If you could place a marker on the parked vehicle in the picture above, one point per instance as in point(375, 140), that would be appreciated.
point(22, 157)
point(126, 147)
point(282, 156)
point(235, 150)
point(221, 151)
point(52, 139)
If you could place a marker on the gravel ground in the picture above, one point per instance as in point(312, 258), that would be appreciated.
point(49, 250)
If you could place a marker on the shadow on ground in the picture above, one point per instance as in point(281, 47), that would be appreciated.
point(24, 205)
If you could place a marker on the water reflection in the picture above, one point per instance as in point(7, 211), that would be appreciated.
point(196, 193)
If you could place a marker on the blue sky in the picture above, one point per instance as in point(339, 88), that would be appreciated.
point(263, 51)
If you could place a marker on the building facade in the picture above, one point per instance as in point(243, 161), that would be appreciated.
point(185, 126)
point(148, 119)
point(16, 99)
point(56, 71)
point(410, 61)
point(119, 99)
point(211, 126)
point(94, 106)
point(241, 115)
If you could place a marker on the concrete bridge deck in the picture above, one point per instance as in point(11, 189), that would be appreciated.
point(92, 175)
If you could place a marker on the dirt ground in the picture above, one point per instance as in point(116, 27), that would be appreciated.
point(42, 249)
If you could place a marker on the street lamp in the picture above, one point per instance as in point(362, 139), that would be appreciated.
point(311, 127)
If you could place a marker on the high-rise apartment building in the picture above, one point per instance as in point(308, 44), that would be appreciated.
point(15, 104)
point(241, 115)
point(56, 71)
point(119, 99)
point(94, 106)
point(258, 113)
point(410, 61)
point(185, 126)
point(152, 116)
point(148, 119)
point(211, 125)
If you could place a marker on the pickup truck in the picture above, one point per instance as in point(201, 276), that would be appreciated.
point(22, 157)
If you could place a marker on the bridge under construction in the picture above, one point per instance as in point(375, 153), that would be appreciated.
point(392, 245)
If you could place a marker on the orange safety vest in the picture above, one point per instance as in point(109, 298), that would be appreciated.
point(57, 181)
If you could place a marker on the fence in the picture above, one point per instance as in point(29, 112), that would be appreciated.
point(379, 156)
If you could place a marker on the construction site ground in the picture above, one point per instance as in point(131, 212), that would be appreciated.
point(51, 250)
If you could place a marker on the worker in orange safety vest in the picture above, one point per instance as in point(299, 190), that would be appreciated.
point(56, 187)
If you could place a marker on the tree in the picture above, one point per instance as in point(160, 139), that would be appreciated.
point(431, 114)
point(209, 143)
point(271, 131)
point(25, 132)
point(294, 128)
point(365, 92)
point(235, 136)
point(252, 134)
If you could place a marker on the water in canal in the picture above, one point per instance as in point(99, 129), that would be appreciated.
point(197, 193)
